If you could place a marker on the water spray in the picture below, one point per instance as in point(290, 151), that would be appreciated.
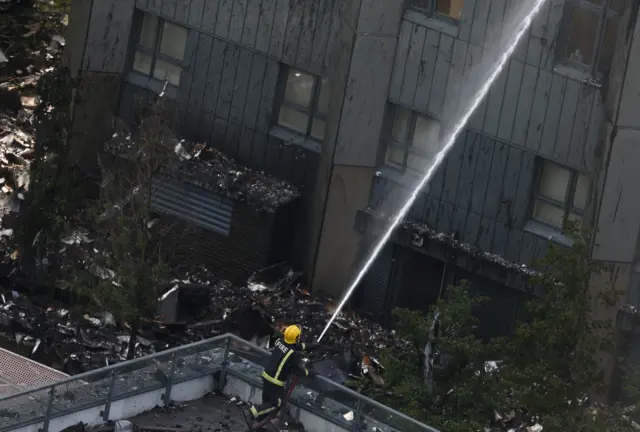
point(449, 141)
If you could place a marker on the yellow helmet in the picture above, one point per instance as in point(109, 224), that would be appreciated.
point(292, 334)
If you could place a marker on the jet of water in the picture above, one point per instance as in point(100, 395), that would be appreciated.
point(449, 141)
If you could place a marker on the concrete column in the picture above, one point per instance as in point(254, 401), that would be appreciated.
point(353, 162)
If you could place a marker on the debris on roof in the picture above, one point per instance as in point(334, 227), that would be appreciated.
point(210, 169)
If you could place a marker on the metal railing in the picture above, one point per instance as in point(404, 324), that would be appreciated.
point(222, 355)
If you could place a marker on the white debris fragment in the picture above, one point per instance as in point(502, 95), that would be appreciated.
point(6, 233)
point(233, 399)
point(181, 152)
point(168, 293)
point(535, 428)
point(77, 237)
point(256, 287)
point(3, 58)
point(348, 416)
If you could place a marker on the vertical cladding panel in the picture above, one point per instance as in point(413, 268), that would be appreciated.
point(412, 68)
point(199, 15)
point(539, 110)
point(186, 77)
point(294, 31)
point(485, 237)
point(241, 85)
point(199, 80)
point(479, 26)
point(430, 215)
point(510, 101)
point(259, 149)
point(455, 79)
point(510, 185)
point(445, 216)
point(244, 146)
point(155, 6)
point(451, 171)
point(514, 245)
point(523, 194)
point(581, 125)
point(108, 36)
point(458, 220)
point(471, 230)
point(265, 25)
point(427, 69)
point(400, 62)
point(474, 62)
point(182, 11)
point(268, 93)
point(441, 74)
point(466, 22)
point(204, 12)
point(212, 87)
point(434, 188)
point(142, 4)
point(465, 171)
point(258, 69)
point(322, 36)
point(307, 33)
point(552, 120)
point(593, 134)
point(525, 102)
point(527, 248)
point(169, 8)
point(500, 239)
point(538, 34)
point(376, 284)
point(251, 23)
point(567, 116)
point(236, 25)
point(496, 102)
point(481, 177)
point(279, 30)
point(513, 7)
point(223, 18)
point(225, 95)
point(493, 198)
point(495, 22)
point(231, 139)
point(551, 34)
point(205, 127)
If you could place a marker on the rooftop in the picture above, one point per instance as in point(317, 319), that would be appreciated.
point(18, 373)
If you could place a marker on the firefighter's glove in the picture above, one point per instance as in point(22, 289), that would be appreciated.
point(311, 346)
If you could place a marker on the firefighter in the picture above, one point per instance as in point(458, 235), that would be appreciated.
point(285, 359)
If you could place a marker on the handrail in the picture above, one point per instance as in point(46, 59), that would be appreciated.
point(174, 354)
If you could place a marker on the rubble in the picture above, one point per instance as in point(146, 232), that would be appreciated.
point(210, 169)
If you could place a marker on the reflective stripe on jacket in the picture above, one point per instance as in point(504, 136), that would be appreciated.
point(284, 359)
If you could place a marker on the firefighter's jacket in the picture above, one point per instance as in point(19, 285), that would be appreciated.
point(285, 358)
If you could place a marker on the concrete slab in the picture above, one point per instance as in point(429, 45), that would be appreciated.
point(210, 413)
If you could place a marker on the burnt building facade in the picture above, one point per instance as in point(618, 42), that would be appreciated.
point(348, 99)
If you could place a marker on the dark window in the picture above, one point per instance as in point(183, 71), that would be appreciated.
point(561, 195)
point(590, 29)
point(414, 140)
point(447, 8)
point(305, 104)
point(160, 49)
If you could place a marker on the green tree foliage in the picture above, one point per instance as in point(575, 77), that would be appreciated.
point(546, 369)
point(133, 265)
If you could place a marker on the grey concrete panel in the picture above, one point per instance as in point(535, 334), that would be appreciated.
point(412, 68)
point(630, 96)
point(496, 102)
point(481, 177)
point(317, 62)
point(594, 133)
point(295, 25)
point(523, 195)
point(107, 39)
point(202, 15)
point(539, 110)
point(464, 170)
point(468, 11)
point(514, 244)
point(199, 80)
point(140, 4)
point(538, 35)
point(474, 63)
point(212, 86)
point(458, 220)
point(186, 77)
point(244, 146)
point(495, 23)
point(258, 70)
point(311, 16)
point(455, 80)
point(434, 188)
point(441, 74)
point(155, 6)
point(500, 239)
point(485, 237)
point(223, 18)
point(182, 11)
point(400, 61)
point(525, 102)
point(364, 101)
point(581, 125)
point(265, 25)
point(241, 86)
point(381, 17)
point(427, 69)
point(494, 193)
point(225, 95)
point(169, 8)
point(480, 20)
point(237, 24)
point(279, 30)
point(510, 185)
point(510, 100)
point(232, 138)
point(268, 93)
point(552, 117)
point(551, 34)
point(527, 249)
point(471, 231)
point(445, 215)
point(258, 150)
point(431, 211)
point(567, 116)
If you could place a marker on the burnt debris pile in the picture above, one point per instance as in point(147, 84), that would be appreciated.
point(210, 169)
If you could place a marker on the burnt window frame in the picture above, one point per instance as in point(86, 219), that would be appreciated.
point(606, 14)
point(432, 11)
point(407, 147)
point(155, 52)
point(312, 112)
point(567, 205)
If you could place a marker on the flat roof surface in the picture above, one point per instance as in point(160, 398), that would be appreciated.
point(18, 373)
point(210, 413)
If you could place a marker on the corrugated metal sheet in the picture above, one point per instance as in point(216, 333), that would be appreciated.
point(18, 373)
point(192, 204)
